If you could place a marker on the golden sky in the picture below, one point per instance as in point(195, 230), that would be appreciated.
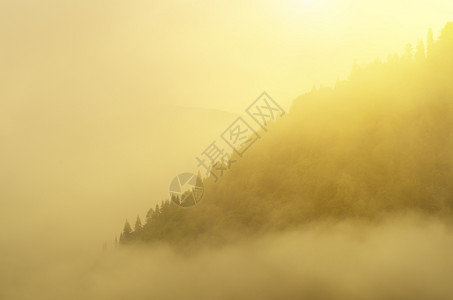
point(217, 54)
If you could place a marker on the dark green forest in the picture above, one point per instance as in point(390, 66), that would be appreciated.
point(380, 142)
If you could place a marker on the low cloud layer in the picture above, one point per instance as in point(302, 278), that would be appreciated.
point(401, 258)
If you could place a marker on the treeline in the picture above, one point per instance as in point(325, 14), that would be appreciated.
point(153, 224)
point(381, 141)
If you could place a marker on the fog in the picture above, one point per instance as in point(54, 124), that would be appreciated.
point(92, 95)
point(398, 257)
point(102, 104)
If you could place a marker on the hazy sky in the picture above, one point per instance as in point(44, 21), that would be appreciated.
point(95, 95)
point(218, 54)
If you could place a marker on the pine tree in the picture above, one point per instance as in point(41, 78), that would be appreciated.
point(156, 211)
point(149, 216)
point(138, 225)
point(127, 231)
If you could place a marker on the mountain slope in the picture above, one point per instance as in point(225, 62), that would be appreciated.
point(380, 142)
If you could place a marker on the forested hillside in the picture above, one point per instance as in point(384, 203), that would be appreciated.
point(379, 142)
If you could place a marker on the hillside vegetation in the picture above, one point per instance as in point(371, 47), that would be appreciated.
point(380, 142)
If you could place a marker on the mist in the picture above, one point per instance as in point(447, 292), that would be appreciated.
point(399, 257)
point(102, 104)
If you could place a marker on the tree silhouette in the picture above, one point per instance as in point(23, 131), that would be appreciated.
point(127, 232)
point(138, 225)
point(149, 215)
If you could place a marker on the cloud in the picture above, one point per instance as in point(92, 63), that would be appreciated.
point(400, 258)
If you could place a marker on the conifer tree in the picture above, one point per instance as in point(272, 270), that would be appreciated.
point(127, 231)
point(157, 211)
point(149, 216)
point(138, 225)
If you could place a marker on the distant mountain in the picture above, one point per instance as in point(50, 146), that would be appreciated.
point(379, 142)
